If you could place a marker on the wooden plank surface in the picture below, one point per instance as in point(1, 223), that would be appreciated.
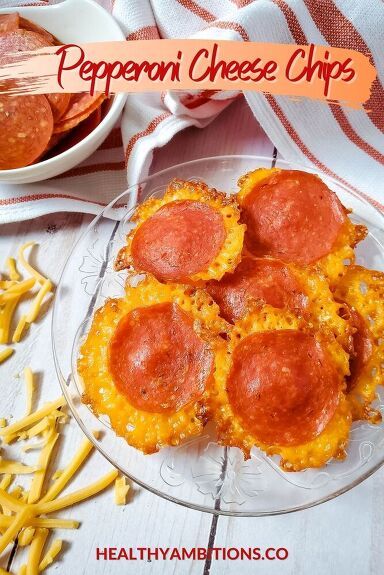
point(340, 537)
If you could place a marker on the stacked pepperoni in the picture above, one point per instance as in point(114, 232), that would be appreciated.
point(38, 127)
point(298, 347)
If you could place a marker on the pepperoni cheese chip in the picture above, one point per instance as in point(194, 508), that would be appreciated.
point(26, 129)
point(283, 391)
point(294, 216)
point(263, 280)
point(259, 281)
point(149, 360)
point(283, 386)
point(191, 234)
point(156, 359)
point(363, 292)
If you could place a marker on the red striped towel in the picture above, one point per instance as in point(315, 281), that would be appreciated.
point(346, 144)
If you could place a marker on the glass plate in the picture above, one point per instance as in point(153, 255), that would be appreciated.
point(200, 474)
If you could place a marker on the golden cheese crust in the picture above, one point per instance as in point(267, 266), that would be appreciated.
point(145, 430)
point(230, 252)
point(331, 443)
point(363, 290)
point(332, 265)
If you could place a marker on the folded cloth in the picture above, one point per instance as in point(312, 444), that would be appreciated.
point(346, 144)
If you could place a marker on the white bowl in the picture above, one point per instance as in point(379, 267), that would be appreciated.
point(79, 22)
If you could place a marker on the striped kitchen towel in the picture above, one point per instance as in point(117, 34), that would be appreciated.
point(344, 143)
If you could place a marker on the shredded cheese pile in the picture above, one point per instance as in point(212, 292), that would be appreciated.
point(23, 512)
point(13, 290)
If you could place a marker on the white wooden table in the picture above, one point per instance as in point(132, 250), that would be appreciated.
point(344, 536)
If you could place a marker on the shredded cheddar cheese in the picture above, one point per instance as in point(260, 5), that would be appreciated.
point(19, 329)
point(40, 427)
point(33, 417)
point(77, 496)
point(35, 551)
point(52, 552)
point(6, 316)
point(5, 284)
point(12, 269)
point(26, 265)
point(68, 473)
point(36, 304)
point(16, 290)
point(13, 291)
point(121, 490)
point(23, 511)
point(26, 536)
point(58, 473)
point(38, 479)
point(49, 523)
point(6, 481)
point(6, 353)
point(15, 468)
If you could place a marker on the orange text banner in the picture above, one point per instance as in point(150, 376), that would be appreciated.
point(317, 72)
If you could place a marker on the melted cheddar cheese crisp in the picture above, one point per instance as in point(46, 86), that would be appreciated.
point(363, 290)
point(320, 310)
point(330, 443)
point(331, 265)
point(145, 430)
point(229, 254)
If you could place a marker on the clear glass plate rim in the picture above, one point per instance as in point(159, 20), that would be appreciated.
point(65, 386)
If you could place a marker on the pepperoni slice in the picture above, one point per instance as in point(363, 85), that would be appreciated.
point(26, 128)
point(21, 41)
point(157, 360)
point(32, 27)
point(9, 22)
point(18, 41)
point(64, 141)
point(182, 238)
point(293, 216)
point(80, 107)
point(283, 386)
point(261, 280)
point(59, 104)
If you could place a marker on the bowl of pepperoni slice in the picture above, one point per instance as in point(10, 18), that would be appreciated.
point(45, 135)
point(224, 327)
